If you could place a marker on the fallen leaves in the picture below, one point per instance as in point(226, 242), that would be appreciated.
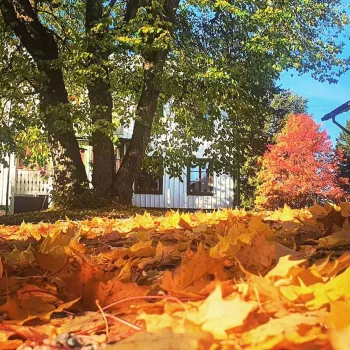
point(227, 280)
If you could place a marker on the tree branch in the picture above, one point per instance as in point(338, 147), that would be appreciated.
point(22, 19)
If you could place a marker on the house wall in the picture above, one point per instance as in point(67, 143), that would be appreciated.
point(29, 182)
point(3, 184)
point(175, 195)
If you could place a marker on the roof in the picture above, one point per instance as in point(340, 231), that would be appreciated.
point(341, 109)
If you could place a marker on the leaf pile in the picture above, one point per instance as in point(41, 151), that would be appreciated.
point(222, 280)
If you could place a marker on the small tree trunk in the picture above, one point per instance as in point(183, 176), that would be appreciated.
point(145, 113)
point(101, 103)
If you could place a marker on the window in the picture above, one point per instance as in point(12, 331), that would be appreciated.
point(200, 180)
point(147, 181)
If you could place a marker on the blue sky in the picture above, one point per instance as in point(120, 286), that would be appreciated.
point(323, 97)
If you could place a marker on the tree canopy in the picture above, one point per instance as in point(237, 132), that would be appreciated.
point(82, 67)
point(301, 167)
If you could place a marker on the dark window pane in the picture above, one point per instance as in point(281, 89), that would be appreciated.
point(199, 181)
point(148, 184)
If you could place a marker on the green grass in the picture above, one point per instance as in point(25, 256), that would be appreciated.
point(117, 211)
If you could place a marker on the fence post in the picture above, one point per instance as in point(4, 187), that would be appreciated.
point(13, 181)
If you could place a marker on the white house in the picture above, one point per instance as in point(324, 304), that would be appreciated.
point(23, 189)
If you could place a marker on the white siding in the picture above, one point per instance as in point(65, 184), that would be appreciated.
point(174, 191)
point(3, 184)
point(175, 195)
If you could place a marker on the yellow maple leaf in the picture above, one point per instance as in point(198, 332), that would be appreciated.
point(336, 289)
point(283, 267)
point(288, 326)
point(340, 339)
point(339, 316)
point(217, 315)
point(144, 221)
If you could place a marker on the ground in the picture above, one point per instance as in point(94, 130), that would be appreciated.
point(228, 279)
point(52, 215)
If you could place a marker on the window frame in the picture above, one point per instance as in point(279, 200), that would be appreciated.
point(211, 172)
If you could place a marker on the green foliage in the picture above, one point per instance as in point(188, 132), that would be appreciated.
point(219, 64)
point(283, 104)
point(343, 140)
point(87, 199)
point(343, 144)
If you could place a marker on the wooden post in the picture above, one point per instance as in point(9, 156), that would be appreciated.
point(8, 185)
point(13, 182)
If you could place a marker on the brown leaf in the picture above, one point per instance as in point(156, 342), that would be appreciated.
point(194, 274)
point(164, 339)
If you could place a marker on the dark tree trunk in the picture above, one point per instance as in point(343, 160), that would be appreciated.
point(154, 60)
point(69, 169)
point(101, 102)
point(145, 113)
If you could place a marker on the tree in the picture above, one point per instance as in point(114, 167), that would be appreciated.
point(283, 104)
point(343, 144)
point(41, 49)
point(300, 168)
point(85, 60)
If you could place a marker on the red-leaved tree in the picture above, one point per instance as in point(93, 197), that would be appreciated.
point(300, 168)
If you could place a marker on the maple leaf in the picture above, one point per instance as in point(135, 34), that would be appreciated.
point(290, 326)
point(333, 290)
point(217, 315)
point(78, 263)
point(58, 238)
point(144, 221)
point(339, 316)
point(334, 240)
point(340, 339)
point(161, 340)
point(345, 209)
point(329, 268)
point(283, 267)
point(18, 259)
point(194, 274)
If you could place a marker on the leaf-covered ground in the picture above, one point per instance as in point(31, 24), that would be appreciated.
point(222, 280)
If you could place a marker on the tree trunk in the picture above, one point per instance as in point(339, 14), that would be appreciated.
point(69, 169)
point(145, 113)
point(154, 60)
point(101, 103)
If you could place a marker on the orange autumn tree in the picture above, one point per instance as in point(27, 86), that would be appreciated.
point(300, 168)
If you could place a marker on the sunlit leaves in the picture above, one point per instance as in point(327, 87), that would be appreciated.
point(300, 168)
point(202, 279)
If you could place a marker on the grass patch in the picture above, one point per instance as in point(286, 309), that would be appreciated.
point(116, 211)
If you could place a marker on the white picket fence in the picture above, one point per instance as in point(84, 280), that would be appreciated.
point(31, 182)
point(21, 182)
